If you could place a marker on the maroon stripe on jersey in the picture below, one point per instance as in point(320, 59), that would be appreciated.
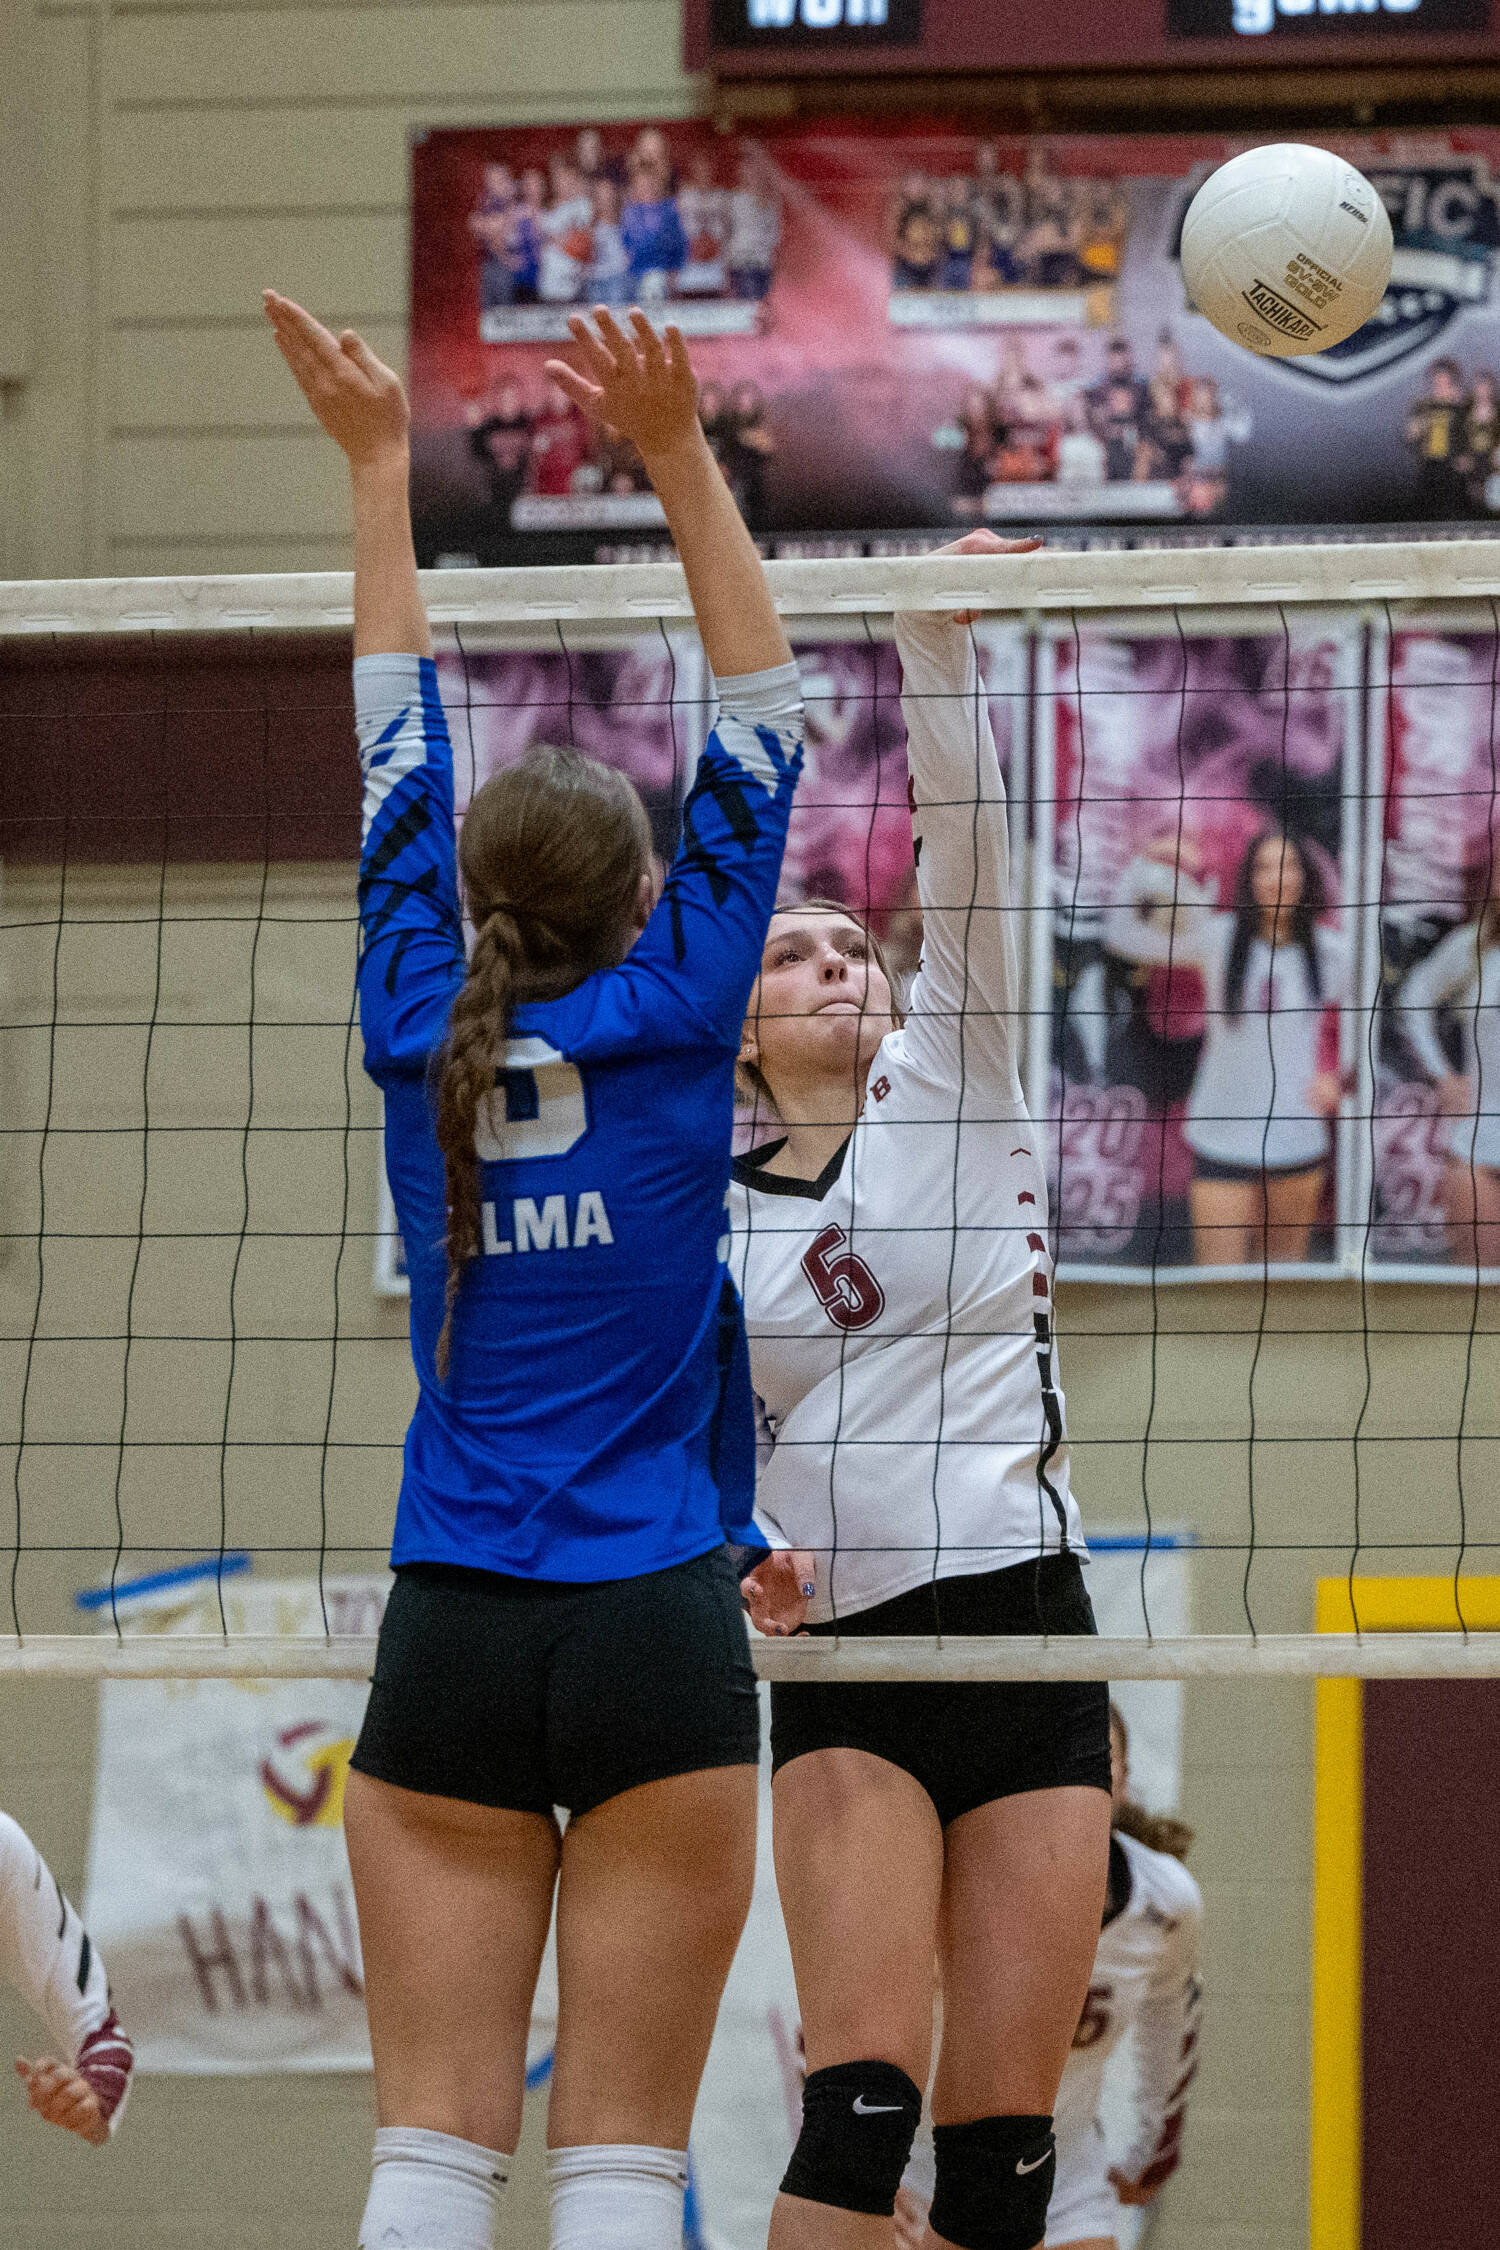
point(104, 2062)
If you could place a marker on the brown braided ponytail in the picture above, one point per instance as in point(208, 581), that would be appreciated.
point(551, 857)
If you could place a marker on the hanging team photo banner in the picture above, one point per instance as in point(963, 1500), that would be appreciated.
point(218, 1888)
point(903, 326)
point(1432, 857)
point(1199, 1044)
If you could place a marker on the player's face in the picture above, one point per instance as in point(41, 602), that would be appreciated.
point(1277, 878)
point(821, 1005)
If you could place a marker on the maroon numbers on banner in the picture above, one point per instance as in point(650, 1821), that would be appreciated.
point(842, 1283)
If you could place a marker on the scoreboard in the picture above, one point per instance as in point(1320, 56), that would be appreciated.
point(799, 38)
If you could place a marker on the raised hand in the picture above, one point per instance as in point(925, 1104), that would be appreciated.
point(777, 1591)
point(639, 386)
point(985, 543)
point(356, 397)
point(64, 2097)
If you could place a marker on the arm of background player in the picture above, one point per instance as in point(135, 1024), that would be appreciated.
point(412, 952)
point(1164, 916)
point(966, 1003)
point(1448, 971)
point(1166, 2048)
point(45, 1952)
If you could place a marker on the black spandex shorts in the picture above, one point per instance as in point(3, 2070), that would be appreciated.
point(977, 1740)
point(1251, 1175)
point(530, 1694)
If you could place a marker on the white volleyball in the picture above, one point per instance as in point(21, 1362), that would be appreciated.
point(1286, 249)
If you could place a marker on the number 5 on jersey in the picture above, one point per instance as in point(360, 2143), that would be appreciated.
point(843, 1284)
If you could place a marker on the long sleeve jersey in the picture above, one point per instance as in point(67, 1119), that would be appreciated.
point(596, 1421)
point(899, 1307)
point(1145, 1980)
point(47, 1954)
point(1462, 973)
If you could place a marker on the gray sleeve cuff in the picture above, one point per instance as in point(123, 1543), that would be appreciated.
point(763, 698)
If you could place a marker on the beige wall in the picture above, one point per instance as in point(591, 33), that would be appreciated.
point(184, 155)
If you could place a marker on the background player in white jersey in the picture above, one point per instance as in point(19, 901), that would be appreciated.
point(47, 1954)
point(1259, 1116)
point(891, 1250)
point(565, 1627)
point(1145, 1981)
point(1462, 976)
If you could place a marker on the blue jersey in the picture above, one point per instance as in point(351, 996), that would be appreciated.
point(596, 1421)
point(653, 237)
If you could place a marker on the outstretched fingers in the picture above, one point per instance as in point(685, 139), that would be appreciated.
point(648, 344)
point(578, 387)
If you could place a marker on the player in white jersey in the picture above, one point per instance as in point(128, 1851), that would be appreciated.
point(1145, 1981)
point(47, 1954)
point(1462, 975)
point(1259, 1117)
point(891, 1250)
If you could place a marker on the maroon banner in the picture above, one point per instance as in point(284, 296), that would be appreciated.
point(903, 328)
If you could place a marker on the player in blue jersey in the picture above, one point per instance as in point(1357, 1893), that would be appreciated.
point(565, 1626)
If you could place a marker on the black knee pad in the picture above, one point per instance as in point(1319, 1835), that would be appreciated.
point(859, 2120)
point(994, 2182)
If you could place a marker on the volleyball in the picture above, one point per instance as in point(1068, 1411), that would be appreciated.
point(1286, 249)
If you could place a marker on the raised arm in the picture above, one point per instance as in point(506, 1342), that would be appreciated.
point(362, 406)
point(641, 387)
point(412, 950)
point(965, 1010)
point(1165, 915)
point(1448, 971)
point(700, 953)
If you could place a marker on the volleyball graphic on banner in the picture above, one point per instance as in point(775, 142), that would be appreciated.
point(1287, 249)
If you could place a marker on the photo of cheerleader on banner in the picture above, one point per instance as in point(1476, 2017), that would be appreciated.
point(1196, 1009)
point(1432, 852)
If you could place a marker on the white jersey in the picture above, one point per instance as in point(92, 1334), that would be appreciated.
point(1463, 975)
point(1249, 1103)
point(47, 1954)
point(1145, 1981)
point(899, 1308)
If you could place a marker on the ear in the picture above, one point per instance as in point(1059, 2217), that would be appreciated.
point(749, 1053)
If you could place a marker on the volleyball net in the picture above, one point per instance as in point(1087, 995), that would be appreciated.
point(1272, 1120)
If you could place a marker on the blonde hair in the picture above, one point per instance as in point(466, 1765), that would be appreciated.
point(751, 1087)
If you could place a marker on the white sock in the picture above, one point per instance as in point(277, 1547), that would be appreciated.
point(617, 2198)
point(431, 2191)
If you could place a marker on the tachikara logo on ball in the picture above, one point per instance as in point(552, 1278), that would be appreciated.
point(1291, 303)
point(1295, 238)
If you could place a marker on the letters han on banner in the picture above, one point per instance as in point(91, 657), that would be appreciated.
point(218, 1887)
